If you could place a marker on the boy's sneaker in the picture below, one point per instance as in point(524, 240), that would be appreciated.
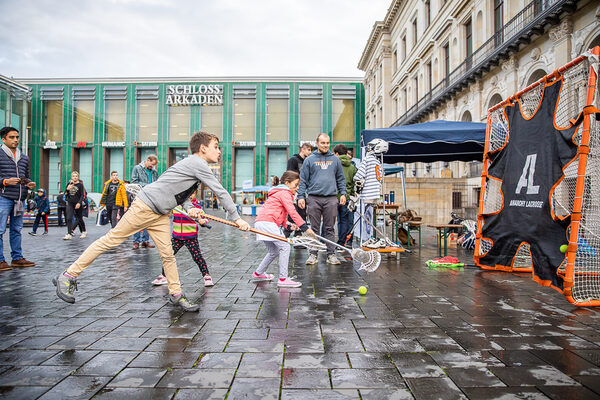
point(183, 302)
point(160, 280)
point(368, 243)
point(287, 282)
point(68, 236)
point(262, 277)
point(208, 282)
point(45, 233)
point(332, 259)
point(33, 233)
point(83, 235)
point(65, 287)
point(312, 259)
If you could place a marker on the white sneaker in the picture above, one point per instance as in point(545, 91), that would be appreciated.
point(312, 259)
point(368, 243)
point(83, 235)
point(381, 244)
point(68, 236)
point(332, 259)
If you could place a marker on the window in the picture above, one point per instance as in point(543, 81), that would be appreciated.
point(3, 107)
point(429, 76)
point(446, 50)
point(405, 98)
point(416, 88)
point(394, 61)
point(414, 32)
point(115, 115)
point(85, 168)
point(116, 162)
point(53, 120)
point(466, 117)
point(427, 6)
point(536, 76)
point(497, 98)
point(147, 120)
point(147, 113)
point(212, 120)
point(277, 163)
point(179, 123)
point(176, 155)
point(403, 48)
point(456, 200)
point(244, 167)
point(343, 99)
point(244, 113)
point(278, 105)
point(469, 42)
point(54, 171)
point(310, 112)
point(498, 21)
point(84, 120)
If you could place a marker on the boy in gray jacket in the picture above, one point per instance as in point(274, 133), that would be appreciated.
point(151, 210)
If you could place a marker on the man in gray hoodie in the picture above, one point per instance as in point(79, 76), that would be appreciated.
point(151, 210)
point(321, 179)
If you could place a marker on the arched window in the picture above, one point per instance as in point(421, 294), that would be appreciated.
point(466, 117)
point(495, 100)
point(536, 76)
point(595, 42)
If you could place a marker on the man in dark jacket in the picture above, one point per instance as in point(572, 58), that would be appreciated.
point(43, 209)
point(14, 181)
point(345, 216)
point(144, 174)
point(61, 208)
point(294, 164)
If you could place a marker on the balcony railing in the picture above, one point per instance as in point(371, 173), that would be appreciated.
point(530, 20)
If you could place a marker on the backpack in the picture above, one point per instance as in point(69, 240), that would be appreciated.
point(403, 237)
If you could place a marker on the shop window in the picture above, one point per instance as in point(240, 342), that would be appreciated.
point(343, 120)
point(147, 120)
point(116, 157)
point(456, 200)
point(244, 167)
point(176, 155)
point(179, 123)
point(310, 104)
point(53, 120)
point(83, 163)
point(142, 154)
point(277, 163)
point(244, 113)
point(115, 120)
point(212, 120)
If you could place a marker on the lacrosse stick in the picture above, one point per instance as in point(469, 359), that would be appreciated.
point(369, 260)
point(182, 211)
point(388, 241)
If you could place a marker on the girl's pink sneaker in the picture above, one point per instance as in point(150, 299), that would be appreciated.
point(160, 280)
point(287, 282)
point(208, 282)
point(262, 277)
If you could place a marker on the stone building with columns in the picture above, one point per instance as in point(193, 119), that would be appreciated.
point(452, 60)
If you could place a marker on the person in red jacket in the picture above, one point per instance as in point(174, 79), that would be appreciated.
point(271, 217)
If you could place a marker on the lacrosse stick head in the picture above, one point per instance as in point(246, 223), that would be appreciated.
point(369, 260)
point(308, 242)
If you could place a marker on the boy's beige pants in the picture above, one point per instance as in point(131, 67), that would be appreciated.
point(139, 216)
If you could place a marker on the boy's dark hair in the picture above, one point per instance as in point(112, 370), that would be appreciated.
point(114, 172)
point(201, 138)
point(340, 149)
point(306, 145)
point(4, 131)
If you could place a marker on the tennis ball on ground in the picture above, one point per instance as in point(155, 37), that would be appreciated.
point(362, 290)
point(564, 248)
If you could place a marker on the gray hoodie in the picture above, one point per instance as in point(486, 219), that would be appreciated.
point(321, 175)
point(175, 186)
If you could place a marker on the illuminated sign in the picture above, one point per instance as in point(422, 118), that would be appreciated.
point(187, 95)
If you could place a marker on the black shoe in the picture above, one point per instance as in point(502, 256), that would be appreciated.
point(33, 233)
point(65, 288)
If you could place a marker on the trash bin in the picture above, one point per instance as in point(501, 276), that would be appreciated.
point(254, 210)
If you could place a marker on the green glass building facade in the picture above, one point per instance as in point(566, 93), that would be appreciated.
point(14, 107)
point(96, 126)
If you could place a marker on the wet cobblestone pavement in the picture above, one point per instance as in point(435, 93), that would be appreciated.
point(417, 333)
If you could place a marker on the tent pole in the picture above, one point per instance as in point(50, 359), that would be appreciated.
point(403, 185)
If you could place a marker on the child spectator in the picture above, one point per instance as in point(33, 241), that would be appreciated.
point(272, 215)
point(43, 209)
point(185, 233)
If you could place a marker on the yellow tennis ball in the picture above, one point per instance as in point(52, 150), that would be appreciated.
point(362, 290)
point(564, 248)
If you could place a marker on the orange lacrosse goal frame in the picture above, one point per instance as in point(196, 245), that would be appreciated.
point(577, 194)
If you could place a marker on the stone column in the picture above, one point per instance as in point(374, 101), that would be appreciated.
point(561, 35)
point(511, 71)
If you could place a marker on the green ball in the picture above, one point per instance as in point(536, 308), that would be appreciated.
point(362, 290)
point(564, 248)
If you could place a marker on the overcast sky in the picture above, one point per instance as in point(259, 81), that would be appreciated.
point(168, 38)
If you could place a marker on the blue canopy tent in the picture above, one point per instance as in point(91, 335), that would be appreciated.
point(431, 141)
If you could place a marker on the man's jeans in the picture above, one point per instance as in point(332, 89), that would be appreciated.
point(345, 222)
point(16, 223)
point(141, 236)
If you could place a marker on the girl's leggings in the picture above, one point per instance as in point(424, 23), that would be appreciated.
point(275, 249)
point(194, 248)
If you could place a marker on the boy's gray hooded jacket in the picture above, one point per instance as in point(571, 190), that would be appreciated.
point(174, 187)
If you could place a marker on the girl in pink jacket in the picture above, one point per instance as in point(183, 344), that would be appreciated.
point(271, 217)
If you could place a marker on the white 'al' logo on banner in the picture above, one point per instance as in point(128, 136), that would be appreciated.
point(526, 180)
